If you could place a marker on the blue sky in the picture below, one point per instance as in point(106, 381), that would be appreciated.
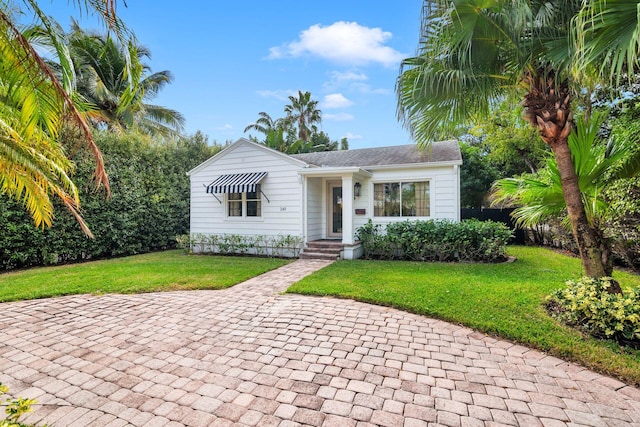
point(233, 59)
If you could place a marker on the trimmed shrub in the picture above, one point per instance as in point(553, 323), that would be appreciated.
point(283, 246)
point(436, 240)
point(586, 305)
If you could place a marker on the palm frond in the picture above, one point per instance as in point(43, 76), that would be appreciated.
point(608, 37)
point(467, 59)
point(33, 84)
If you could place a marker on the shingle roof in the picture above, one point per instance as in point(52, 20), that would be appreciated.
point(443, 151)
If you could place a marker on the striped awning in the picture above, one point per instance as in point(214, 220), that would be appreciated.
point(236, 183)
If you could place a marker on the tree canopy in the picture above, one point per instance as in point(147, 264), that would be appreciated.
point(298, 131)
point(473, 55)
point(36, 105)
point(48, 103)
point(104, 69)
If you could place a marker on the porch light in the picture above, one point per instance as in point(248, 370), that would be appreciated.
point(356, 190)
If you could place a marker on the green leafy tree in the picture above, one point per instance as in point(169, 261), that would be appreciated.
point(598, 165)
point(473, 55)
point(512, 146)
point(477, 175)
point(104, 69)
point(36, 106)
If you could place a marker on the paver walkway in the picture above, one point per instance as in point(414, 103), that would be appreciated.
point(249, 356)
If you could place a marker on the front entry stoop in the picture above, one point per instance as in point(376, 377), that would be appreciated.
point(322, 249)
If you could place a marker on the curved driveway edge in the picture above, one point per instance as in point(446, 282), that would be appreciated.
point(249, 356)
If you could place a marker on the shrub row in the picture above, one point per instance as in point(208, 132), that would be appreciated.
point(586, 305)
point(436, 240)
point(286, 246)
point(148, 207)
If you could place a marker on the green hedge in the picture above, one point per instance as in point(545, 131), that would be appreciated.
point(148, 207)
point(436, 240)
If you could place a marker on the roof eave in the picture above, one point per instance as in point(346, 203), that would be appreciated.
point(334, 171)
point(415, 165)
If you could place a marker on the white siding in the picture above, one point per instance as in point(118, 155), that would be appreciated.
point(443, 189)
point(282, 186)
point(362, 202)
point(314, 209)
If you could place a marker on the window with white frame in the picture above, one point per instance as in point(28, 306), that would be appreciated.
point(401, 199)
point(248, 204)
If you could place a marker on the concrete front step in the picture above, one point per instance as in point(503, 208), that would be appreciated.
point(319, 255)
point(322, 249)
point(325, 244)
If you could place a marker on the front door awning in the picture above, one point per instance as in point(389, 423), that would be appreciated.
point(236, 183)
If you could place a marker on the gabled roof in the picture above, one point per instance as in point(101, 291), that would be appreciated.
point(438, 152)
point(240, 142)
point(443, 151)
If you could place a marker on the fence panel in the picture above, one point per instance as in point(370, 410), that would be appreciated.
point(497, 215)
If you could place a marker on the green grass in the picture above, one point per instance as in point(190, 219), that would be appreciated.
point(159, 271)
point(504, 300)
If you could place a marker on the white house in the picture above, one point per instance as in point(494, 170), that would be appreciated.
point(249, 189)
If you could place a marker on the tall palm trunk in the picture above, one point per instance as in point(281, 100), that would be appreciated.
point(548, 108)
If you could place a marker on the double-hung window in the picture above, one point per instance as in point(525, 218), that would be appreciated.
point(401, 199)
point(247, 204)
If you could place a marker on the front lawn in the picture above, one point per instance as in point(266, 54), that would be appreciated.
point(159, 271)
point(504, 300)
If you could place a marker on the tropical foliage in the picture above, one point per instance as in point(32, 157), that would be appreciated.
point(298, 131)
point(104, 69)
point(598, 165)
point(303, 113)
point(474, 55)
point(37, 107)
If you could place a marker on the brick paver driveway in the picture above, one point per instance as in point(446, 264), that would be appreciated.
point(249, 356)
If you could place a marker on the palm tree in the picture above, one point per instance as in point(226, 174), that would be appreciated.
point(303, 112)
point(35, 105)
point(264, 124)
point(473, 55)
point(598, 165)
point(101, 67)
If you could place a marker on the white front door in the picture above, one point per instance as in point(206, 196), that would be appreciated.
point(334, 210)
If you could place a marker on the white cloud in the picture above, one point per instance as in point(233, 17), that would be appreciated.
point(336, 100)
point(225, 127)
point(365, 88)
point(354, 82)
point(339, 79)
point(342, 42)
point(351, 136)
point(347, 76)
point(338, 117)
point(282, 95)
